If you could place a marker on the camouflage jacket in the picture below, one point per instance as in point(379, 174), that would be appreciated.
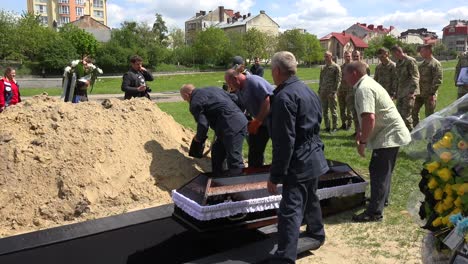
point(345, 87)
point(407, 75)
point(385, 75)
point(430, 77)
point(330, 78)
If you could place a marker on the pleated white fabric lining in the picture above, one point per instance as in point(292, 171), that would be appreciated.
point(230, 208)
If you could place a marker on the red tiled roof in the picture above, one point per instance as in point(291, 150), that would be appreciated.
point(378, 29)
point(460, 29)
point(345, 38)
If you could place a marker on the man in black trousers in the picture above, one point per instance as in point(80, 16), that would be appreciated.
point(213, 107)
point(298, 158)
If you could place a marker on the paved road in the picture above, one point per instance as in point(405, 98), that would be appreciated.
point(156, 97)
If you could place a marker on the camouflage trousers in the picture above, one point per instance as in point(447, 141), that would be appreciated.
point(345, 112)
point(350, 105)
point(329, 103)
point(405, 107)
point(429, 107)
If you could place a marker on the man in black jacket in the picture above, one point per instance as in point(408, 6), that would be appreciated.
point(257, 69)
point(134, 81)
point(213, 107)
point(298, 158)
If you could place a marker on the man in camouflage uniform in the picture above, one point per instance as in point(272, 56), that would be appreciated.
point(407, 75)
point(385, 72)
point(345, 113)
point(462, 63)
point(430, 78)
point(330, 79)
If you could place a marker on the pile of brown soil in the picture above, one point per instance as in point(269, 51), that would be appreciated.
point(62, 163)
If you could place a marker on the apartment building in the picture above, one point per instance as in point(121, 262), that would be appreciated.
point(455, 35)
point(56, 13)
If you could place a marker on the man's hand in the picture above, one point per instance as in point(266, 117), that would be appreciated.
point(361, 149)
point(272, 188)
point(432, 100)
point(332, 94)
point(411, 95)
point(195, 139)
point(141, 88)
point(253, 126)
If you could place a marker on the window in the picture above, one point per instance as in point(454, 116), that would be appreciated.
point(63, 1)
point(452, 29)
point(41, 9)
point(79, 11)
point(64, 20)
point(460, 42)
point(43, 20)
point(98, 3)
point(98, 13)
point(64, 10)
point(79, 2)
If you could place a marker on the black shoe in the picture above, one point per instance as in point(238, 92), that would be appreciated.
point(364, 217)
point(312, 242)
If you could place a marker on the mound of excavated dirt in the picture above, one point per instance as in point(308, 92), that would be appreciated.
point(62, 163)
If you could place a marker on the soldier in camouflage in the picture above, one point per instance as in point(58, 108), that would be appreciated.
point(407, 75)
point(385, 72)
point(430, 78)
point(330, 79)
point(345, 112)
point(461, 82)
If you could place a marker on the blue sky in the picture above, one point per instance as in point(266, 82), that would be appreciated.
point(318, 17)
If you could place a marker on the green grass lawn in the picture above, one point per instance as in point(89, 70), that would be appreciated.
point(166, 83)
point(398, 226)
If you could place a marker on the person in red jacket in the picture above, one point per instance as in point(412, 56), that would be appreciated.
point(9, 89)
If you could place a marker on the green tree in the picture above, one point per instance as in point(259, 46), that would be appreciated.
point(313, 49)
point(56, 55)
point(160, 29)
point(271, 46)
point(177, 38)
point(30, 37)
point(440, 49)
point(255, 43)
point(294, 42)
point(210, 46)
point(7, 29)
point(376, 43)
point(85, 43)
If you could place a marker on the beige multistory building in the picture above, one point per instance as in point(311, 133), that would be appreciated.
point(56, 13)
point(230, 22)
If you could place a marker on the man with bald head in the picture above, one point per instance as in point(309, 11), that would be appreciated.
point(382, 130)
point(253, 93)
point(213, 107)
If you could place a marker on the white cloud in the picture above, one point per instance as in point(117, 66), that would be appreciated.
point(313, 9)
